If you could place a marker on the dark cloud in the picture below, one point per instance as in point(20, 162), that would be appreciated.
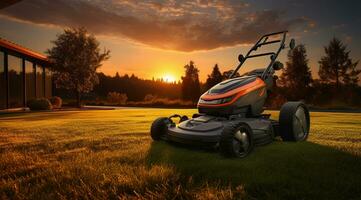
point(7, 3)
point(176, 25)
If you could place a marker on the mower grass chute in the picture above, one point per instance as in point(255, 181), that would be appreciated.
point(230, 113)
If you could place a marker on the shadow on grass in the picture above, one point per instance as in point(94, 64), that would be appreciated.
point(280, 170)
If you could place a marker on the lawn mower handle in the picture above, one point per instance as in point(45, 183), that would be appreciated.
point(260, 43)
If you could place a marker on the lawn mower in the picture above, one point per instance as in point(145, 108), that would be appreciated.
point(230, 113)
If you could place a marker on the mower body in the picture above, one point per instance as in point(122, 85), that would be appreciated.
point(234, 100)
point(238, 96)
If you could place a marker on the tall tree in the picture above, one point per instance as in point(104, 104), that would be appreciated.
point(297, 75)
point(190, 83)
point(214, 78)
point(336, 66)
point(117, 76)
point(76, 56)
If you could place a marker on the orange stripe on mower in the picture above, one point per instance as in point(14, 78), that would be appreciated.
point(238, 92)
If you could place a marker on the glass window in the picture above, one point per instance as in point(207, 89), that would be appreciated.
point(15, 73)
point(39, 81)
point(30, 81)
point(2, 82)
point(48, 83)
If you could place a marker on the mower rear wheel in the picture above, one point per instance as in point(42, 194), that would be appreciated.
point(236, 140)
point(294, 120)
point(159, 128)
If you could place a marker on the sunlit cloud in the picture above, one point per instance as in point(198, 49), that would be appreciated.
point(172, 25)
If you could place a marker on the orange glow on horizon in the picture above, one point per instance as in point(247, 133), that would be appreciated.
point(169, 78)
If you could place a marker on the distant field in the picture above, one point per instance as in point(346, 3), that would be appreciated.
point(109, 155)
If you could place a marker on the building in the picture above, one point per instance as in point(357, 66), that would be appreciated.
point(23, 75)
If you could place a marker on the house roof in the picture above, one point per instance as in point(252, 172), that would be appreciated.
point(20, 49)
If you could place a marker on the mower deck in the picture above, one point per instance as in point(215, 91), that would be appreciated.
point(207, 130)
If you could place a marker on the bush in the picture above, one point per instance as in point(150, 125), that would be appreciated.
point(275, 101)
point(150, 98)
point(153, 100)
point(56, 102)
point(117, 98)
point(39, 104)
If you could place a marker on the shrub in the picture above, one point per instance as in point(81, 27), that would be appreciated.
point(56, 102)
point(275, 101)
point(117, 98)
point(149, 98)
point(152, 100)
point(39, 104)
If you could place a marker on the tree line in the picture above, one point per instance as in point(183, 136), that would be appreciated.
point(338, 82)
point(75, 74)
point(135, 88)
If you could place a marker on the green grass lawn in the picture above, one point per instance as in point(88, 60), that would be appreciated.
point(109, 155)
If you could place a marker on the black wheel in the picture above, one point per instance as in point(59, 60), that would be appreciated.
point(159, 128)
point(195, 115)
point(236, 140)
point(183, 118)
point(294, 121)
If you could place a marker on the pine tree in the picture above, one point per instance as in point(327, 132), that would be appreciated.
point(336, 66)
point(214, 78)
point(117, 76)
point(190, 83)
point(297, 74)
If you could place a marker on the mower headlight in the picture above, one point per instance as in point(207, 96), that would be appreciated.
point(216, 101)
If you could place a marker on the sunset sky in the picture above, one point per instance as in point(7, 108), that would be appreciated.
point(157, 38)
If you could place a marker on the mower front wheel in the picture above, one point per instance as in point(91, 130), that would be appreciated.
point(159, 128)
point(236, 140)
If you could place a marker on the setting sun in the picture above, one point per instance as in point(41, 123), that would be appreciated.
point(169, 78)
